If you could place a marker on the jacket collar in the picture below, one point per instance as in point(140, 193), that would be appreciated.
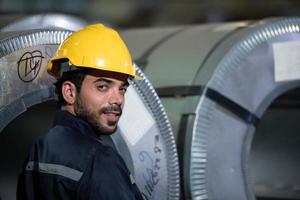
point(64, 118)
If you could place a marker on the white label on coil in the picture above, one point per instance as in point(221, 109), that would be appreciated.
point(287, 60)
point(136, 119)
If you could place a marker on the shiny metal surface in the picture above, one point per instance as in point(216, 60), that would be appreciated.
point(244, 74)
point(51, 20)
point(236, 61)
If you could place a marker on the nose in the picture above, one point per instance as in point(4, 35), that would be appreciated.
point(116, 97)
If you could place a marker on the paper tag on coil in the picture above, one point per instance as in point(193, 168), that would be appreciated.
point(286, 60)
point(136, 119)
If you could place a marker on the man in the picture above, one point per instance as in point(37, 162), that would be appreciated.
point(93, 66)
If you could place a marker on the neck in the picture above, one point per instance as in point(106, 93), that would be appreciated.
point(69, 109)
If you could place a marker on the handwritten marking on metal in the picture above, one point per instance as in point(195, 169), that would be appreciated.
point(29, 65)
point(151, 173)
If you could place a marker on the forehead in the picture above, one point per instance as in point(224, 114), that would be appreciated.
point(107, 75)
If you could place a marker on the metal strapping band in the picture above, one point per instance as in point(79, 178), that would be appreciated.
point(54, 169)
point(235, 108)
point(232, 106)
point(179, 91)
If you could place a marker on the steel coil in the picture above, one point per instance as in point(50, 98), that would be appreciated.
point(216, 81)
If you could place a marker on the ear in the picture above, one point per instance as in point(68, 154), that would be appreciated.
point(69, 92)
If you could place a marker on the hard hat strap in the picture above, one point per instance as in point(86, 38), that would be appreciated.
point(65, 67)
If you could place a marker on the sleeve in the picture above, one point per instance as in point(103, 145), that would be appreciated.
point(43, 180)
point(21, 193)
point(22, 187)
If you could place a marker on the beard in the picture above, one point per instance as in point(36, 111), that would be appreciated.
point(92, 116)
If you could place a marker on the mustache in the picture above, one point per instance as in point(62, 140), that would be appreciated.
point(114, 108)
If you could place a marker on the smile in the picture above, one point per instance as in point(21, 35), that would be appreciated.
point(112, 116)
point(113, 112)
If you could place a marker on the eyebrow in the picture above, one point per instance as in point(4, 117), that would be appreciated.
point(110, 81)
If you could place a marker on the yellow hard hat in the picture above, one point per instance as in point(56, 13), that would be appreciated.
point(95, 46)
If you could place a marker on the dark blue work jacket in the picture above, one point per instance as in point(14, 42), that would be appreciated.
point(70, 162)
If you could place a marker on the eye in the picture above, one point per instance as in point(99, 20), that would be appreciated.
point(102, 87)
point(123, 90)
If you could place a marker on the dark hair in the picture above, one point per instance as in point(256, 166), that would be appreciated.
point(76, 77)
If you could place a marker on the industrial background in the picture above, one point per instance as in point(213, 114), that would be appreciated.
point(213, 119)
point(141, 13)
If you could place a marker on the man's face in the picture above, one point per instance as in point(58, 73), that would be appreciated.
point(101, 100)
